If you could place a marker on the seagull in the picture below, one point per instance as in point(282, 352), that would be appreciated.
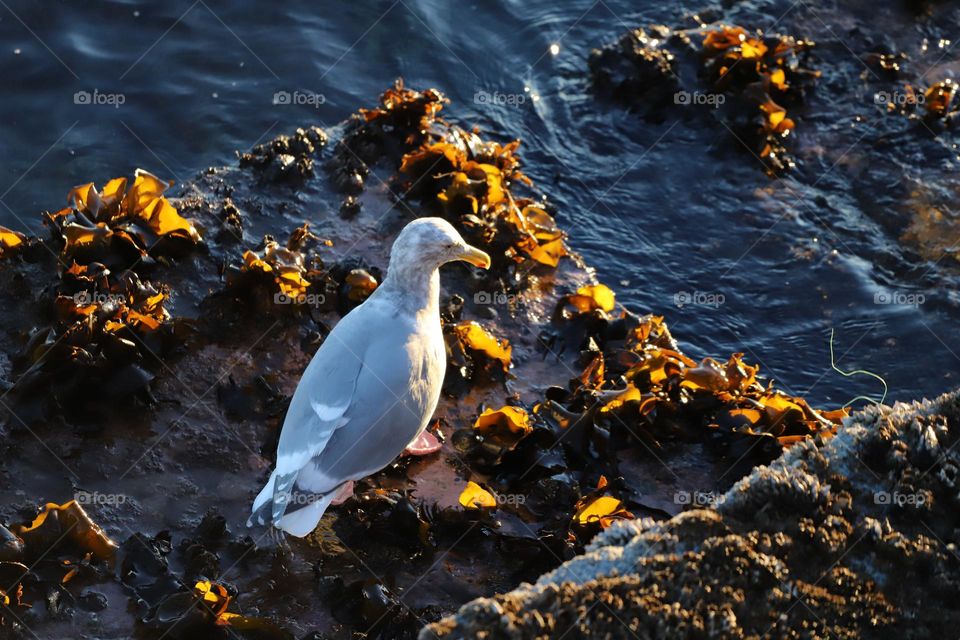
point(372, 387)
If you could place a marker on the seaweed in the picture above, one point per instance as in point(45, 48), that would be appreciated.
point(749, 80)
point(761, 72)
point(470, 182)
point(108, 323)
point(43, 559)
point(402, 118)
point(284, 274)
point(11, 242)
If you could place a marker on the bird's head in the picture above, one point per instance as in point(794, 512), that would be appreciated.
point(431, 242)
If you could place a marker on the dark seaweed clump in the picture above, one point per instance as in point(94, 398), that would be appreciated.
point(104, 321)
point(286, 158)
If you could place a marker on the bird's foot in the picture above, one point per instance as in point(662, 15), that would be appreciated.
point(344, 493)
point(425, 444)
point(279, 539)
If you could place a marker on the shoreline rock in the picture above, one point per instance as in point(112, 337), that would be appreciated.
point(854, 538)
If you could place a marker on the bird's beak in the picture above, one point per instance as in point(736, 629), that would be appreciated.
point(475, 257)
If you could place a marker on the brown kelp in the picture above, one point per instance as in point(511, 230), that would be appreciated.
point(107, 320)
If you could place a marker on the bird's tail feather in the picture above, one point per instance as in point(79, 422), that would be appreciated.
point(299, 522)
point(260, 516)
point(302, 521)
point(260, 511)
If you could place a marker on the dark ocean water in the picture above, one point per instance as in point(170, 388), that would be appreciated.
point(666, 211)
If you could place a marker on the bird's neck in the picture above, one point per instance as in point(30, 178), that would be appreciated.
point(414, 290)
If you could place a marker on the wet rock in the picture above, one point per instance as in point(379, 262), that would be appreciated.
point(92, 600)
point(372, 607)
point(11, 546)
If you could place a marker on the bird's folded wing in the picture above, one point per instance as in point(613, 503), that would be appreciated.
point(381, 421)
point(318, 406)
point(317, 409)
point(358, 376)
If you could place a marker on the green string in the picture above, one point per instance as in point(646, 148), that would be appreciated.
point(847, 374)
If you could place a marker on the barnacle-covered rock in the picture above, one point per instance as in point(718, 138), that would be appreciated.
point(637, 67)
point(286, 158)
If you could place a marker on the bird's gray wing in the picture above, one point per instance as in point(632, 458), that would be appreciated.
point(393, 410)
point(316, 411)
point(357, 373)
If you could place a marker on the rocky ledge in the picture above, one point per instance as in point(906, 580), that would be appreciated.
point(855, 538)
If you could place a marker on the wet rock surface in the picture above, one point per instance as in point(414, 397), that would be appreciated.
point(853, 539)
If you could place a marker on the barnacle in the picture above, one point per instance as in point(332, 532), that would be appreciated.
point(939, 98)
point(286, 158)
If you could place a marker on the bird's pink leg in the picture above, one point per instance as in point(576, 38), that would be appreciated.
point(344, 494)
point(425, 444)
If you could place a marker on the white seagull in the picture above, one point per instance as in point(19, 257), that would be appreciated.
point(371, 388)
